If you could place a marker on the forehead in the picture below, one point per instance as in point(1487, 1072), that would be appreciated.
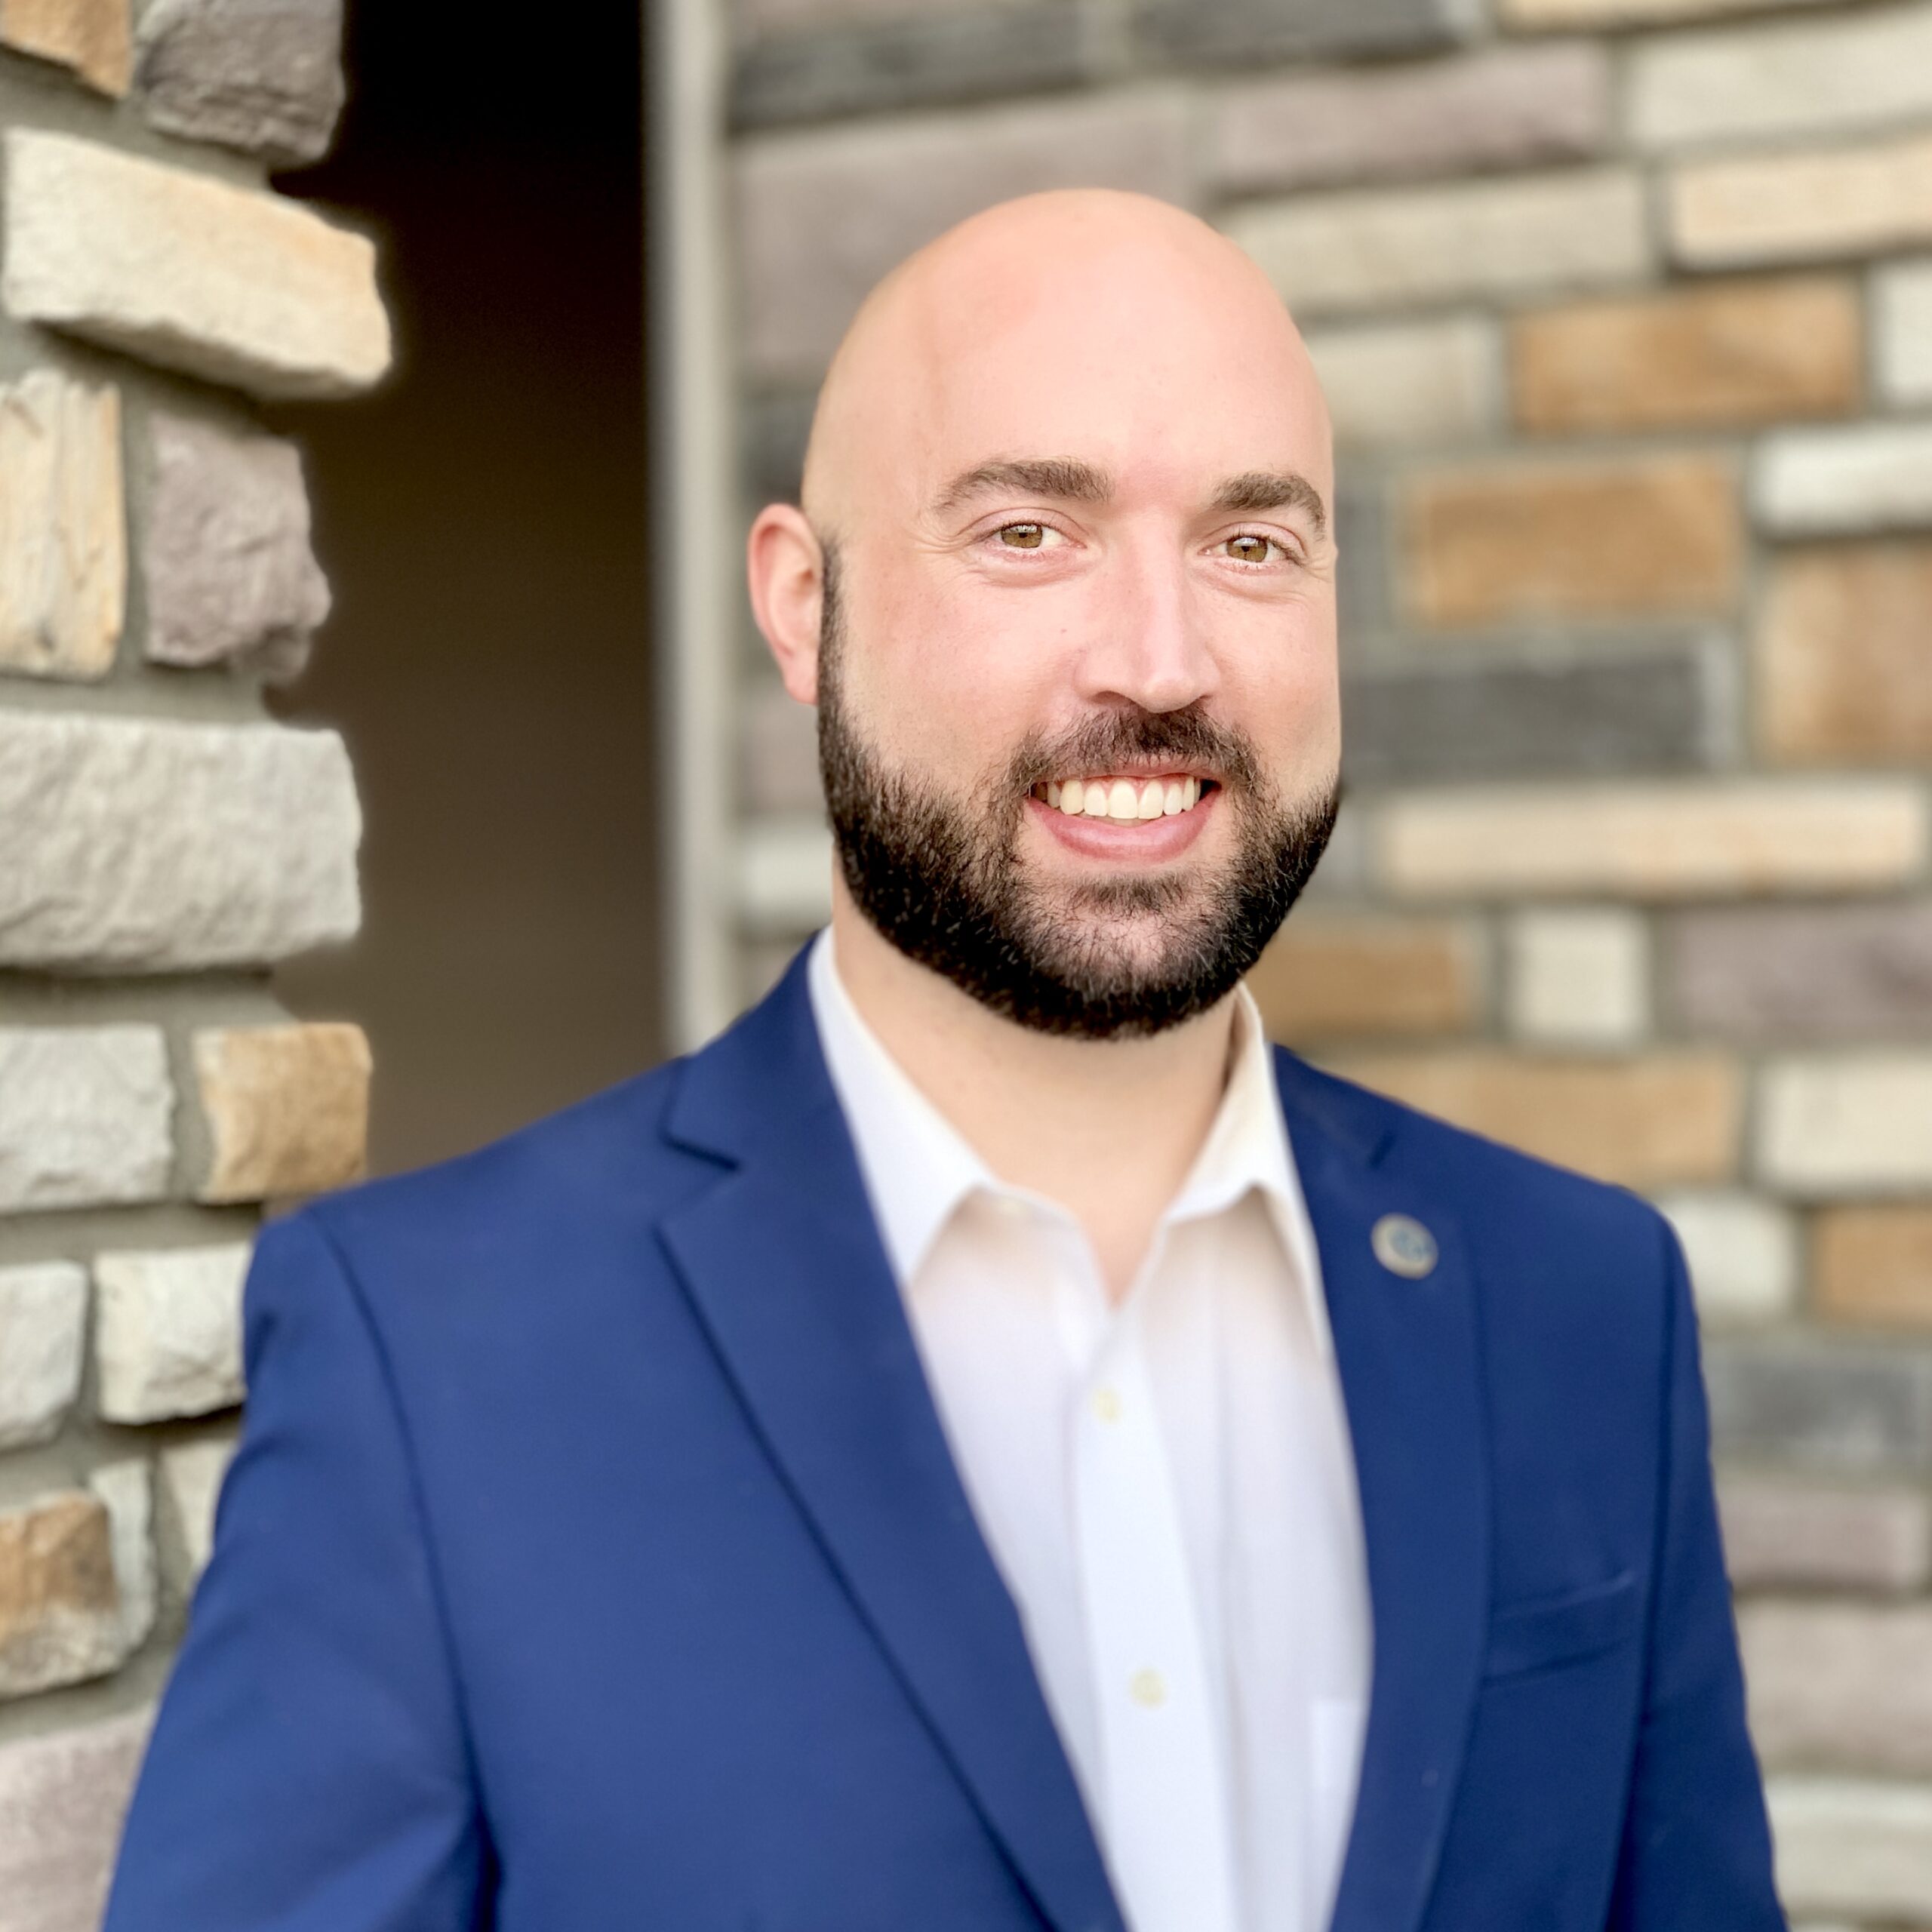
point(1169, 372)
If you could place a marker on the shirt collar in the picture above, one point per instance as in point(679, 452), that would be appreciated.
point(918, 1167)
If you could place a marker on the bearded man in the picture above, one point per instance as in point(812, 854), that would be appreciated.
point(987, 1444)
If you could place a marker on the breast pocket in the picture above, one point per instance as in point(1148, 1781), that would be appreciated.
point(1537, 1633)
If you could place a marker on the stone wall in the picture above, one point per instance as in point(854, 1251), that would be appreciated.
point(162, 844)
point(1625, 310)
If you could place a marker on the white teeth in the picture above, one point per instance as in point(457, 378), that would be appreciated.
point(1073, 796)
point(1053, 796)
point(1095, 804)
point(1123, 801)
point(1174, 798)
point(1193, 793)
point(1153, 799)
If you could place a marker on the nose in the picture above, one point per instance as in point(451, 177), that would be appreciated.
point(1149, 645)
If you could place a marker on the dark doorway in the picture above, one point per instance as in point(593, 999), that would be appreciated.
point(483, 520)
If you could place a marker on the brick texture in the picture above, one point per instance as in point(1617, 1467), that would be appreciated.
point(43, 1308)
point(921, 57)
point(1522, 236)
point(1335, 977)
point(1730, 354)
point(1845, 1684)
point(1567, 15)
point(94, 38)
point(1844, 654)
point(287, 1108)
point(1857, 1846)
point(819, 217)
point(1506, 107)
point(167, 1331)
point(1579, 976)
point(1238, 33)
point(1804, 206)
point(1873, 1264)
point(59, 1607)
point(1653, 841)
point(1902, 300)
point(86, 1116)
point(1409, 383)
point(62, 1798)
point(1741, 1251)
point(1763, 974)
point(1660, 1121)
point(1839, 1407)
point(1613, 537)
point(218, 282)
point(1845, 482)
point(1783, 1532)
point(63, 552)
point(1847, 1123)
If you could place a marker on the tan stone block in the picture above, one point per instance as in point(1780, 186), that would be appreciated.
point(1397, 383)
point(193, 273)
point(1662, 841)
point(1517, 235)
point(1331, 978)
point(59, 1605)
point(63, 528)
point(1611, 536)
point(1738, 352)
point(1569, 16)
point(94, 38)
point(288, 1108)
point(1844, 654)
point(1665, 1120)
point(1873, 1264)
point(1808, 205)
point(1846, 1685)
point(1791, 1532)
point(1858, 1847)
point(62, 1794)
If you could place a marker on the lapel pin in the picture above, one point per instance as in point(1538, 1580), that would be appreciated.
point(1403, 1246)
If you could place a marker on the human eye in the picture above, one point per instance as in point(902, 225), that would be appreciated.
point(1026, 535)
point(1254, 547)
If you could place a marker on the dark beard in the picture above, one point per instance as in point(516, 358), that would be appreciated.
point(949, 891)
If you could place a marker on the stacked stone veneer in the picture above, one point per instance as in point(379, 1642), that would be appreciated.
point(1624, 310)
point(162, 844)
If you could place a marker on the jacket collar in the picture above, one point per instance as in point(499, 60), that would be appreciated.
point(783, 1261)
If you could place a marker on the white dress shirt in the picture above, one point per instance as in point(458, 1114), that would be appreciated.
point(1166, 1485)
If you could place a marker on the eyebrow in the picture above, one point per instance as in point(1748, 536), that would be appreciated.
point(1065, 477)
point(1070, 481)
point(1256, 490)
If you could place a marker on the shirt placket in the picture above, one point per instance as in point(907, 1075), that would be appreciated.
point(1162, 1776)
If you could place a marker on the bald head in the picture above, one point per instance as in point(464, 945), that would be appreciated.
point(1050, 325)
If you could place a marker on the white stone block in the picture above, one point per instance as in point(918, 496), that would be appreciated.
point(146, 845)
point(43, 1313)
point(1807, 77)
point(1741, 1251)
point(190, 272)
point(1846, 1125)
point(1407, 382)
point(784, 882)
point(1579, 977)
point(1861, 1846)
point(63, 536)
point(1660, 841)
point(1901, 299)
point(167, 1331)
point(126, 1489)
point(62, 1794)
point(86, 1112)
point(1843, 482)
point(1517, 235)
point(193, 1474)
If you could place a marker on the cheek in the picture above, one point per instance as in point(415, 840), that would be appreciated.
point(1283, 690)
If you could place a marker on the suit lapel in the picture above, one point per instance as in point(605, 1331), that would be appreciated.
point(783, 1259)
point(1408, 1355)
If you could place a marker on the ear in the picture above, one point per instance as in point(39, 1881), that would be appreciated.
point(784, 571)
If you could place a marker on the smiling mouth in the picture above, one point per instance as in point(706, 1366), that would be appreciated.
point(1124, 801)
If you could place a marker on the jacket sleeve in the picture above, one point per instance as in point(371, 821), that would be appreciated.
point(1696, 1847)
point(309, 1770)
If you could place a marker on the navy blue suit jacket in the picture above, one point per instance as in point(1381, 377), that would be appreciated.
point(593, 1557)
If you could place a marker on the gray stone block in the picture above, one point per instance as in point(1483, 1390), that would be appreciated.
point(1644, 712)
point(772, 434)
point(1361, 530)
point(926, 59)
point(231, 574)
point(62, 1796)
point(1771, 973)
point(1244, 33)
point(263, 76)
point(778, 747)
point(1827, 1405)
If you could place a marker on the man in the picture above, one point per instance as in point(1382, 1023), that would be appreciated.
point(985, 1443)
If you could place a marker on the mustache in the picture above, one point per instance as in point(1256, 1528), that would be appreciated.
point(1115, 739)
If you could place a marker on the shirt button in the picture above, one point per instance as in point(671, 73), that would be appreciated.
point(1106, 1404)
point(1148, 1687)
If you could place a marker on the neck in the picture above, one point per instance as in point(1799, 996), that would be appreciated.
point(1107, 1128)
